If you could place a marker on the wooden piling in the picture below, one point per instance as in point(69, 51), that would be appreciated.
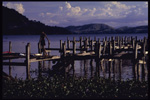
point(89, 40)
point(113, 46)
point(136, 51)
point(64, 49)
point(99, 50)
point(49, 55)
point(68, 43)
point(110, 49)
point(104, 47)
point(28, 51)
point(133, 43)
point(80, 42)
point(74, 46)
point(91, 44)
point(85, 44)
point(10, 50)
point(39, 48)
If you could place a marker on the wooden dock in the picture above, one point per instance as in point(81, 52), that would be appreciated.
point(113, 48)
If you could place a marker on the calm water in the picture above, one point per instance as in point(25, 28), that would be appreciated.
point(82, 67)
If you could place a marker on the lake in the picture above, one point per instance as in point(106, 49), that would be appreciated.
point(82, 67)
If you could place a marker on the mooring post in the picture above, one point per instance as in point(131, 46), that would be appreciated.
point(110, 48)
point(112, 38)
point(85, 44)
point(48, 46)
point(89, 40)
point(136, 51)
point(40, 62)
point(118, 40)
point(74, 46)
point(122, 41)
point(28, 51)
point(99, 50)
point(133, 43)
point(143, 49)
point(91, 44)
point(99, 40)
point(104, 47)
point(39, 48)
point(64, 49)
point(60, 47)
point(109, 39)
point(80, 42)
point(10, 50)
point(49, 54)
point(68, 43)
point(120, 44)
point(113, 46)
point(95, 48)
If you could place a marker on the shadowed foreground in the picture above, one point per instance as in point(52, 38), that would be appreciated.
point(73, 87)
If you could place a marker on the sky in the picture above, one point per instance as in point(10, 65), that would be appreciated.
point(76, 13)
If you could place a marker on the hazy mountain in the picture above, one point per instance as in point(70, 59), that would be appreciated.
point(15, 23)
point(138, 29)
point(91, 28)
point(103, 28)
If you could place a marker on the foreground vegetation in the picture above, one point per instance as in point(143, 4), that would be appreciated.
point(59, 87)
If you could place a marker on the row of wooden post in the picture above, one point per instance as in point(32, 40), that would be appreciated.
point(110, 44)
point(98, 48)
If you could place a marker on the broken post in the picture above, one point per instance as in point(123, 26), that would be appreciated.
point(136, 51)
point(10, 50)
point(80, 42)
point(74, 46)
point(28, 60)
point(68, 43)
point(64, 49)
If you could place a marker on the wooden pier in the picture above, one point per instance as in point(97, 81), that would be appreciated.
point(84, 48)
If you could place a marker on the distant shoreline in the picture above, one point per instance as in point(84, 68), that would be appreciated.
point(77, 34)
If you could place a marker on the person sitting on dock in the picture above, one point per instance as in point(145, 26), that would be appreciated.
point(42, 43)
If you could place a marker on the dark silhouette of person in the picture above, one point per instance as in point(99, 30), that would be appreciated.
point(42, 43)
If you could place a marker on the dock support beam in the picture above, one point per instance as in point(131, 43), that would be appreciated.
point(74, 46)
point(10, 49)
point(136, 51)
point(28, 60)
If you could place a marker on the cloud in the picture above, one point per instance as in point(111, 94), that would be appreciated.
point(113, 13)
point(17, 6)
point(53, 22)
point(68, 5)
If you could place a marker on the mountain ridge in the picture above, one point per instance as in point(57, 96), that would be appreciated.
point(103, 28)
point(14, 23)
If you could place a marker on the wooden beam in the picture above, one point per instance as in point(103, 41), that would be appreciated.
point(28, 60)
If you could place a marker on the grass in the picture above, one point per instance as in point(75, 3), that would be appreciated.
point(74, 88)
